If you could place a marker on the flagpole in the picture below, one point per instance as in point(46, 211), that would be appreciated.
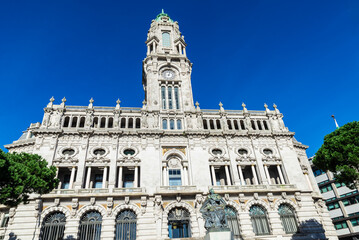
point(335, 121)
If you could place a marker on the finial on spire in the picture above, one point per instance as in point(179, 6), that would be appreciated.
point(275, 106)
point(91, 103)
point(118, 104)
point(221, 107)
point(163, 11)
point(266, 107)
point(197, 106)
point(50, 104)
point(244, 107)
point(63, 102)
point(144, 104)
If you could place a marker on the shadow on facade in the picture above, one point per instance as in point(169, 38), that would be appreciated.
point(310, 229)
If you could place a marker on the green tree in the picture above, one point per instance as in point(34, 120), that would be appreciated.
point(340, 154)
point(22, 174)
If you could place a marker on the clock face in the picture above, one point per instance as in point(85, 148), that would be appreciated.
point(168, 74)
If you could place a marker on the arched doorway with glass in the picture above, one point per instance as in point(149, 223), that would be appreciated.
point(179, 223)
point(90, 226)
point(232, 220)
point(53, 226)
point(126, 222)
point(288, 218)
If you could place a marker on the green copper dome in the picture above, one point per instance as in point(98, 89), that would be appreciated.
point(163, 14)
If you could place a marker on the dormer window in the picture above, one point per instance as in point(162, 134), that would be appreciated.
point(166, 40)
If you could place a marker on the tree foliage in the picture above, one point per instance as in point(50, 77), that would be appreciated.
point(340, 154)
point(22, 174)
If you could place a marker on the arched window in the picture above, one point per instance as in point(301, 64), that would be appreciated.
point(259, 125)
point(166, 42)
point(82, 122)
point(232, 220)
point(172, 124)
point(164, 124)
point(74, 122)
point(126, 225)
point(288, 218)
point(123, 123)
point(229, 124)
point(211, 124)
point(179, 223)
point(259, 220)
point(253, 125)
point(138, 123)
point(103, 122)
point(242, 125)
point(90, 226)
point(205, 126)
point(265, 125)
point(163, 94)
point(170, 99)
point(218, 124)
point(177, 98)
point(110, 122)
point(66, 121)
point(179, 124)
point(95, 122)
point(236, 125)
point(53, 226)
point(130, 123)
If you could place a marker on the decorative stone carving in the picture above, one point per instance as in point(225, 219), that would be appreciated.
point(127, 199)
point(92, 201)
point(109, 205)
point(74, 205)
point(57, 202)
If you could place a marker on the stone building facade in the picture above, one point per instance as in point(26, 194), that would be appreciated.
point(143, 173)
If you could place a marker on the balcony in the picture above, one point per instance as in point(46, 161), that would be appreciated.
point(177, 189)
point(129, 190)
point(244, 188)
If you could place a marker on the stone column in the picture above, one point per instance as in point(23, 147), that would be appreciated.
point(148, 49)
point(267, 173)
point(164, 176)
point(135, 182)
point(241, 175)
point(280, 174)
point(214, 180)
point(308, 180)
point(104, 177)
point(119, 180)
point(184, 51)
point(254, 175)
point(72, 177)
point(185, 176)
point(227, 175)
point(88, 177)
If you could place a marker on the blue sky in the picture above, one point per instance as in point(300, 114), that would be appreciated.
point(301, 55)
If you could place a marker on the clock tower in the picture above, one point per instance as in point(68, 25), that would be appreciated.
point(166, 68)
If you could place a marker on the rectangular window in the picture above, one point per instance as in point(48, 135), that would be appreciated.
point(341, 225)
point(355, 222)
point(166, 40)
point(174, 177)
point(163, 93)
point(98, 181)
point(66, 182)
point(177, 98)
point(170, 105)
point(128, 180)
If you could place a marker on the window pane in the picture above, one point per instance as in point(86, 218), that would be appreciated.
point(179, 124)
point(177, 97)
point(174, 177)
point(172, 124)
point(166, 40)
point(164, 123)
point(170, 105)
point(163, 93)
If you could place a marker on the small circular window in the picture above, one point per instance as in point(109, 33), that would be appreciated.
point(242, 151)
point(99, 151)
point(267, 151)
point(68, 151)
point(217, 151)
point(129, 152)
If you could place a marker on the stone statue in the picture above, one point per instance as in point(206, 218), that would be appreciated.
point(213, 211)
